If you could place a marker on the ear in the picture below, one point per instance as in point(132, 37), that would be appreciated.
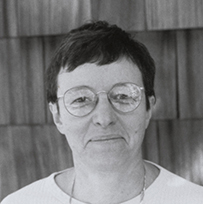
point(56, 117)
point(149, 112)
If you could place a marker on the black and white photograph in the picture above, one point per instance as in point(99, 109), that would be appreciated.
point(101, 102)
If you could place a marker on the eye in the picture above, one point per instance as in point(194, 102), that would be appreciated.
point(120, 97)
point(83, 99)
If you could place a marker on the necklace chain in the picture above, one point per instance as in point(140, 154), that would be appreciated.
point(142, 194)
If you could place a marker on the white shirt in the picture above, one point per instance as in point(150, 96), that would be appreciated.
point(168, 188)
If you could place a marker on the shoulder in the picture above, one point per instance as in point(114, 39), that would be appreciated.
point(175, 189)
point(36, 192)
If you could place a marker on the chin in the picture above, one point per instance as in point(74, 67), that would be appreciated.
point(107, 161)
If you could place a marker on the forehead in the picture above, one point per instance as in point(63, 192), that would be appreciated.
point(100, 77)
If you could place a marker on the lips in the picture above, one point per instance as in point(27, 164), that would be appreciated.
point(106, 138)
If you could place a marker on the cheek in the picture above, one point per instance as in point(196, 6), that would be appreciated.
point(136, 134)
point(135, 125)
point(70, 123)
point(74, 131)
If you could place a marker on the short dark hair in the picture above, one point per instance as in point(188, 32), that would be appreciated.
point(100, 43)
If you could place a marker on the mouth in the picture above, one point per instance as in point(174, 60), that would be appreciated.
point(106, 138)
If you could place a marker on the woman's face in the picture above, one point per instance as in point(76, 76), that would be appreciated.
point(104, 137)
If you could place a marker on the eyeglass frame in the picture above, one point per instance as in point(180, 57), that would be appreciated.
point(97, 98)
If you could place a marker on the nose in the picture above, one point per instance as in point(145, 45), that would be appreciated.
point(104, 115)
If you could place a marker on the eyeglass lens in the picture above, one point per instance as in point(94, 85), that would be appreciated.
point(80, 101)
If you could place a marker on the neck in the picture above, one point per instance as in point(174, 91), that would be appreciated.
point(107, 186)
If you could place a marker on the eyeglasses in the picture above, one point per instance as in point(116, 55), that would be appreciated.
point(82, 100)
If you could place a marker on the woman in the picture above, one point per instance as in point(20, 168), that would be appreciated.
point(100, 89)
